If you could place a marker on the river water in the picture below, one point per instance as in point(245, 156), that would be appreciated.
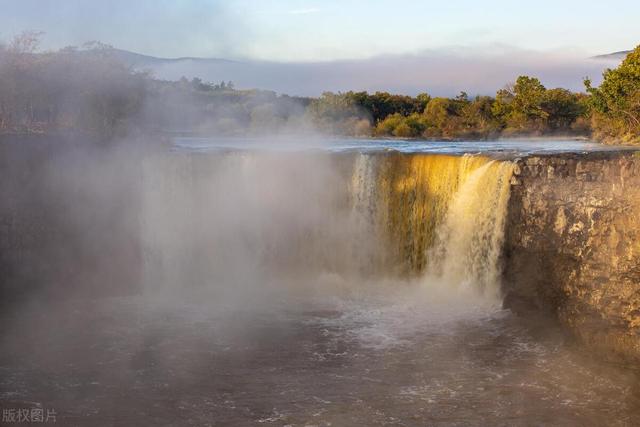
point(387, 358)
point(515, 147)
point(251, 312)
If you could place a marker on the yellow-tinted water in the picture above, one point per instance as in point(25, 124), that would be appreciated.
point(427, 208)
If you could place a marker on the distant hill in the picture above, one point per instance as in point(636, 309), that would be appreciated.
point(438, 72)
point(615, 55)
point(138, 60)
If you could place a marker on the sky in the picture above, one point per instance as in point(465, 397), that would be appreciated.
point(327, 30)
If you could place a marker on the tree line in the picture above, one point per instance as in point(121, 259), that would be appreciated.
point(89, 89)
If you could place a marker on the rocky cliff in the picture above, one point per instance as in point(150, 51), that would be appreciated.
point(573, 245)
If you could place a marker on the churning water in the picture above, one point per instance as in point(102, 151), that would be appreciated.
point(379, 357)
point(316, 288)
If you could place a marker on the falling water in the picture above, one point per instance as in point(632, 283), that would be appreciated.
point(469, 241)
point(438, 215)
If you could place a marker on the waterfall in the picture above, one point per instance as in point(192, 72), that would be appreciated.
point(214, 219)
point(468, 244)
point(441, 216)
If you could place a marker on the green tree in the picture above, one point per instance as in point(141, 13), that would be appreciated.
point(562, 108)
point(437, 113)
point(478, 120)
point(337, 114)
point(389, 124)
point(519, 107)
point(422, 101)
point(615, 105)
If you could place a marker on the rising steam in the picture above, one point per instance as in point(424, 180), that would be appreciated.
point(230, 221)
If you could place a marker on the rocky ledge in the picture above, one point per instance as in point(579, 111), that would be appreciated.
point(572, 245)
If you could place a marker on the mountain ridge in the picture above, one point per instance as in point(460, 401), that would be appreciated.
point(621, 54)
point(139, 59)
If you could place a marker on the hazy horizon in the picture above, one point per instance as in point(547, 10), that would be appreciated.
point(438, 72)
point(304, 48)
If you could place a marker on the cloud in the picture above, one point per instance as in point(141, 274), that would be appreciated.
point(156, 27)
point(476, 70)
point(304, 11)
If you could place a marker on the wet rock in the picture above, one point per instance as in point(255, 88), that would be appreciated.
point(572, 246)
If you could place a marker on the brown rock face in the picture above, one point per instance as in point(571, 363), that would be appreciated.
point(573, 245)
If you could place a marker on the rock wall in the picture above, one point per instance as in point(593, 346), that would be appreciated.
point(573, 245)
